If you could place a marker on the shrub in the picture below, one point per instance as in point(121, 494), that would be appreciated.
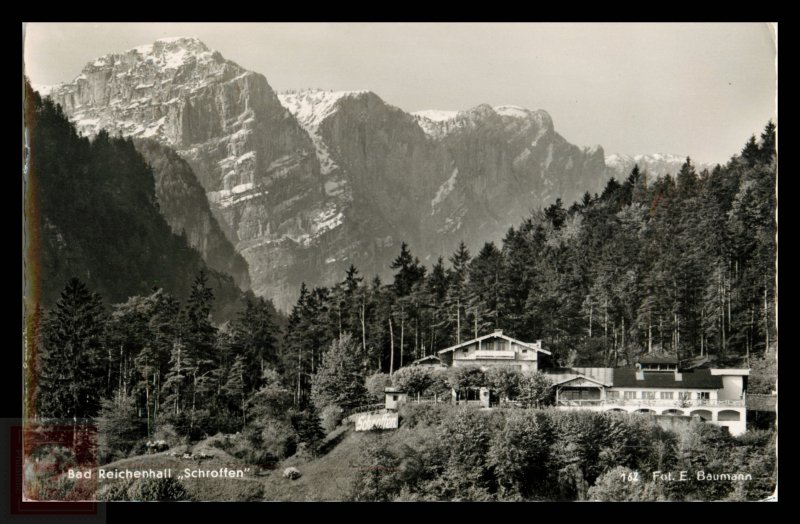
point(114, 491)
point(376, 480)
point(504, 380)
point(331, 417)
point(520, 453)
point(622, 484)
point(291, 473)
point(157, 489)
point(278, 438)
point(376, 385)
point(167, 433)
point(439, 385)
point(412, 415)
point(535, 390)
point(413, 379)
point(119, 428)
point(460, 378)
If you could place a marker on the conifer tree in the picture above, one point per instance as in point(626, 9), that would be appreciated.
point(72, 367)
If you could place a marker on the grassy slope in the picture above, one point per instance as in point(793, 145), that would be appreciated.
point(326, 478)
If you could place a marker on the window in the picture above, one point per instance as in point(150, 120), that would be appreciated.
point(649, 395)
point(612, 395)
point(630, 395)
point(666, 395)
point(394, 397)
point(684, 395)
point(703, 395)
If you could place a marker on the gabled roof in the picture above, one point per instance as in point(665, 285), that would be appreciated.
point(494, 335)
point(425, 360)
point(563, 379)
point(690, 379)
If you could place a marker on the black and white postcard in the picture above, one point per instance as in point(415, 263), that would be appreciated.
point(400, 262)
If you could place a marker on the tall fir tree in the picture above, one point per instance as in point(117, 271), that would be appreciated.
point(71, 373)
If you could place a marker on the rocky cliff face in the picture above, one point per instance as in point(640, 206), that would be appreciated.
point(255, 163)
point(502, 163)
point(183, 203)
point(305, 183)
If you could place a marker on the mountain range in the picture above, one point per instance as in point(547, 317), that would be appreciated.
point(298, 185)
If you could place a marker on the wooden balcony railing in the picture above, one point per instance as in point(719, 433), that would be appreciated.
point(677, 404)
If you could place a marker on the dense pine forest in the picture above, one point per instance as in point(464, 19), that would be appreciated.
point(682, 264)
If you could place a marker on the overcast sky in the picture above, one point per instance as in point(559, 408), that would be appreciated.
point(696, 89)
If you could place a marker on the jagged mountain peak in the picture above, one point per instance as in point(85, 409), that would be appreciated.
point(304, 182)
point(312, 106)
point(147, 91)
point(437, 123)
point(435, 115)
point(165, 53)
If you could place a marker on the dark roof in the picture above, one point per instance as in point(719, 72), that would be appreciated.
point(560, 375)
point(697, 378)
point(429, 358)
point(658, 359)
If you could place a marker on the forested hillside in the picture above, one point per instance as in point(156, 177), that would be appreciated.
point(92, 213)
point(682, 264)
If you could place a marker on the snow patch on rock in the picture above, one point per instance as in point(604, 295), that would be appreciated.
point(310, 108)
point(445, 189)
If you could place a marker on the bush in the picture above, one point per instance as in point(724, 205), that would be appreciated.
point(225, 443)
point(439, 385)
point(331, 417)
point(291, 473)
point(413, 379)
point(412, 415)
point(114, 491)
point(622, 484)
point(460, 378)
point(504, 380)
point(119, 428)
point(167, 433)
point(520, 453)
point(535, 390)
point(156, 446)
point(376, 478)
point(157, 489)
point(278, 438)
point(376, 385)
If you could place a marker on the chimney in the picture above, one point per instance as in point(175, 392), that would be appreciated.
point(498, 331)
point(678, 376)
point(639, 374)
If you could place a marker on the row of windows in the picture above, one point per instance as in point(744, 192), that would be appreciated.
point(663, 395)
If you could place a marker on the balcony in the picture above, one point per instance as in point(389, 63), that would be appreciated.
point(494, 353)
point(665, 403)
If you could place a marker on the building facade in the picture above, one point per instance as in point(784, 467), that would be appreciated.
point(495, 349)
point(656, 385)
point(714, 395)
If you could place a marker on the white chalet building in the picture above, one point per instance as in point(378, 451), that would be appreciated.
point(495, 349)
point(657, 385)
